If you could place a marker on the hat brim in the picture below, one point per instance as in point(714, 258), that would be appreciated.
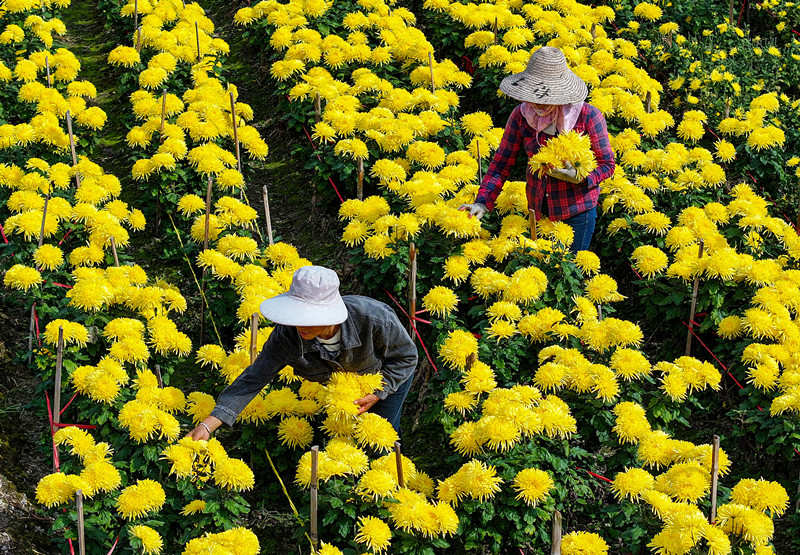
point(525, 87)
point(291, 311)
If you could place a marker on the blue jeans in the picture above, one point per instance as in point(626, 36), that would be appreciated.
point(391, 407)
point(583, 226)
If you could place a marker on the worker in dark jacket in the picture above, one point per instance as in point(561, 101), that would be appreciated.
point(319, 332)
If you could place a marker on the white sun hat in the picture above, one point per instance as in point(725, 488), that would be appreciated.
point(546, 80)
point(313, 299)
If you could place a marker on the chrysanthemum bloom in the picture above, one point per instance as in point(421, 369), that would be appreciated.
point(457, 347)
point(194, 507)
point(295, 432)
point(374, 533)
point(139, 499)
point(48, 257)
point(480, 481)
point(526, 285)
point(762, 495)
point(22, 277)
point(753, 526)
point(126, 56)
point(440, 301)
point(460, 401)
point(656, 449)
point(649, 260)
point(73, 332)
point(631, 483)
point(150, 539)
point(587, 261)
point(602, 289)
point(480, 378)
point(580, 543)
point(532, 485)
point(375, 431)
point(233, 474)
point(58, 488)
point(376, 484)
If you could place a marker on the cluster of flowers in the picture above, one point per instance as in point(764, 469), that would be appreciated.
point(674, 494)
point(203, 112)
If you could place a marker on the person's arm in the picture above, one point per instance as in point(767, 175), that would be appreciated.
point(601, 146)
point(502, 162)
point(399, 358)
point(244, 388)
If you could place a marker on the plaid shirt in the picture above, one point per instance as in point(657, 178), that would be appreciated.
point(563, 199)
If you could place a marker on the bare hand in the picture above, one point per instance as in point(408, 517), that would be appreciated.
point(365, 403)
point(476, 210)
point(201, 433)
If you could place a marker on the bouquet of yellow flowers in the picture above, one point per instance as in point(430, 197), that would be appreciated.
point(571, 148)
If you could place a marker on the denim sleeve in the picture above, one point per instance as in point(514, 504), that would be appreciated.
point(393, 344)
point(249, 383)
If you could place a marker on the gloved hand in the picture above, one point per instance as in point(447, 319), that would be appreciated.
point(567, 173)
point(476, 209)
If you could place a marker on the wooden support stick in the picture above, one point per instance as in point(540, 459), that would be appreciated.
point(360, 189)
point(135, 13)
point(197, 38)
point(159, 377)
point(163, 115)
point(433, 82)
point(253, 337)
point(139, 39)
point(494, 30)
point(480, 169)
point(236, 134)
point(412, 288)
point(81, 531)
point(648, 102)
point(594, 31)
point(31, 331)
point(556, 534)
point(72, 148)
point(314, 486)
point(471, 359)
point(714, 479)
point(44, 216)
point(57, 385)
point(730, 12)
point(726, 110)
point(114, 251)
point(532, 220)
point(317, 108)
point(47, 67)
point(208, 214)
point(694, 305)
point(266, 214)
point(398, 458)
point(599, 312)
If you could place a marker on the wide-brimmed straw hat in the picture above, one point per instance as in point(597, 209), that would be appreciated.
point(546, 80)
point(313, 299)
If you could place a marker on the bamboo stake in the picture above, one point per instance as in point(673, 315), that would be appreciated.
point(730, 12)
point(317, 108)
point(648, 102)
point(114, 251)
point(594, 31)
point(314, 486)
point(139, 39)
point(158, 377)
point(57, 385)
point(694, 305)
point(81, 532)
point(197, 38)
point(714, 479)
point(494, 30)
point(205, 247)
point(412, 288)
point(236, 134)
point(532, 220)
point(47, 67)
point(135, 13)
point(72, 147)
point(599, 312)
point(430, 63)
point(253, 337)
point(163, 115)
point(556, 534)
point(360, 189)
point(266, 214)
point(208, 214)
point(44, 216)
point(727, 108)
point(398, 457)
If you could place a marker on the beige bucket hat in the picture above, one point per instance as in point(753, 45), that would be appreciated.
point(546, 80)
point(312, 300)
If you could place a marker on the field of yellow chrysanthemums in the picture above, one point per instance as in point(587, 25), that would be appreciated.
point(549, 382)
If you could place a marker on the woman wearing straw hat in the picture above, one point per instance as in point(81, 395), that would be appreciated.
point(552, 99)
point(319, 332)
